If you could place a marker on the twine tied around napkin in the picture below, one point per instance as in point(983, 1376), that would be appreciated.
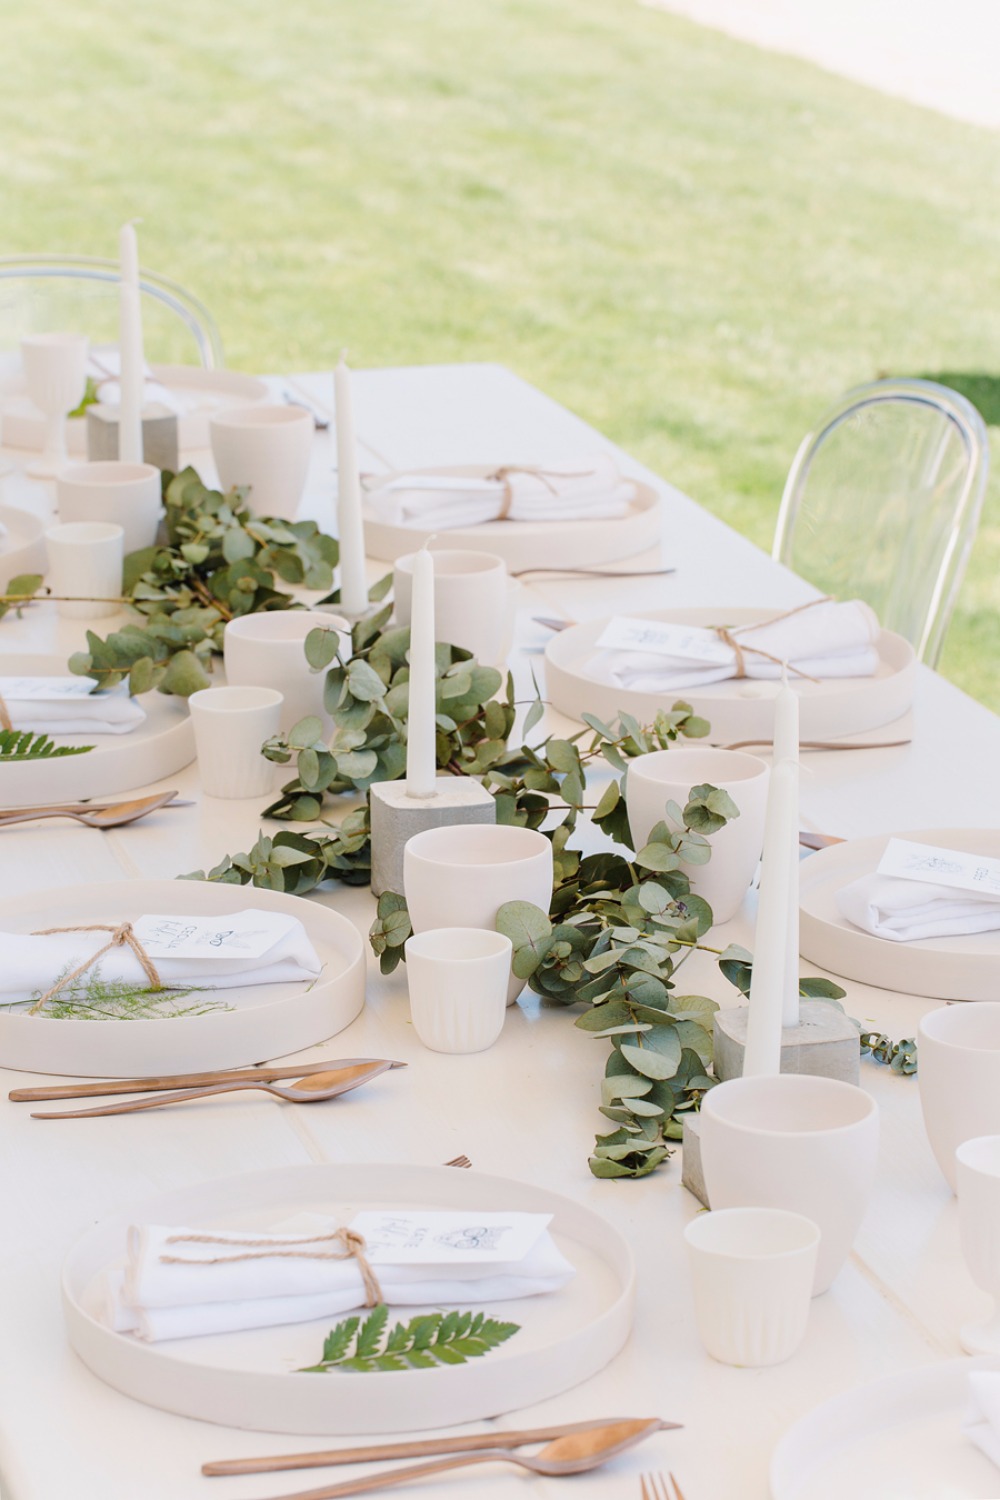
point(352, 1247)
point(121, 936)
point(728, 637)
point(502, 476)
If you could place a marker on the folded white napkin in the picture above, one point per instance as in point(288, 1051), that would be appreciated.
point(30, 965)
point(69, 705)
point(905, 911)
point(179, 1298)
point(982, 1422)
point(829, 639)
point(590, 488)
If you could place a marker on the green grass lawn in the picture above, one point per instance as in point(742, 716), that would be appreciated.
point(694, 244)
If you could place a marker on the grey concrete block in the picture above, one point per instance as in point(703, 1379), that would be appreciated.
point(825, 1043)
point(159, 435)
point(396, 817)
point(692, 1176)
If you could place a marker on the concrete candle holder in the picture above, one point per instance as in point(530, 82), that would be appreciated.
point(160, 443)
point(396, 817)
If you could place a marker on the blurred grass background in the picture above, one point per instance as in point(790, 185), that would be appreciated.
point(693, 243)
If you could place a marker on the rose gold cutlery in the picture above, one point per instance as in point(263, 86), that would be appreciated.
point(809, 840)
point(312, 1088)
point(825, 744)
point(189, 1080)
point(660, 1488)
point(459, 1161)
point(99, 815)
point(419, 1448)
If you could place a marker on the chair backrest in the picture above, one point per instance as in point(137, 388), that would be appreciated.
point(882, 504)
point(45, 293)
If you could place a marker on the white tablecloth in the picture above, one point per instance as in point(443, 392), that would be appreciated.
point(527, 1108)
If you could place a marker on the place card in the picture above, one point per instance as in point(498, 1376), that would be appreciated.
point(415, 1237)
point(951, 868)
point(661, 638)
point(245, 934)
point(45, 689)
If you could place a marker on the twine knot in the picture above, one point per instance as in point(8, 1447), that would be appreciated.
point(502, 476)
point(122, 936)
point(350, 1246)
point(729, 637)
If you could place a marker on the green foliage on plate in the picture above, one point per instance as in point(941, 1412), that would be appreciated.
point(18, 745)
point(426, 1342)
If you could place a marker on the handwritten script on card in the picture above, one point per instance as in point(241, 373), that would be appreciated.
point(689, 643)
point(951, 868)
point(414, 1237)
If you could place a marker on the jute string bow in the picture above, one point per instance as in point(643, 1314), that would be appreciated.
point(350, 1246)
point(742, 648)
point(121, 937)
point(502, 475)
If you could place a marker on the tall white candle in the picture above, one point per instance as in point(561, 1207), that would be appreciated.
point(350, 525)
point(777, 896)
point(421, 759)
point(786, 748)
point(131, 380)
point(786, 722)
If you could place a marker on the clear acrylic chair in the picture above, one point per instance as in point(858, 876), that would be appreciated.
point(883, 501)
point(49, 293)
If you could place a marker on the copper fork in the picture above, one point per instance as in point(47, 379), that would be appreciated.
point(459, 1161)
point(655, 1487)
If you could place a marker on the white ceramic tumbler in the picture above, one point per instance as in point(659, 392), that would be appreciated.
point(457, 978)
point(127, 495)
point(797, 1142)
point(230, 726)
point(268, 650)
point(752, 1272)
point(959, 1076)
point(664, 775)
point(85, 564)
point(267, 449)
point(460, 875)
point(977, 1163)
point(471, 592)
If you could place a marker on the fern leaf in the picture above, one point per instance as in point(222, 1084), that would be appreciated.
point(428, 1340)
point(340, 1339)
point(372, 1329)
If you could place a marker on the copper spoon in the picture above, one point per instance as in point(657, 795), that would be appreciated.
point(113, 816)
point(311, 1089)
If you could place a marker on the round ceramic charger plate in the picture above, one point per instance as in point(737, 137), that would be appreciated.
point(526, 544)
point(161, 745)
point(740, 708)
point(249, 1379)
point(22, 548)
point(952, 968)
point(897, 1439)
point(267, 1020)
point(201, 392)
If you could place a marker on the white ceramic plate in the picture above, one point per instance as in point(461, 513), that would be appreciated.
point(897, 1439)
point(161, 745)
point(248, 1379)
point(740, 709)
point(527, 544)
point(268, 1020)
point(953, 968)
point(22, 550)
point(199, 393)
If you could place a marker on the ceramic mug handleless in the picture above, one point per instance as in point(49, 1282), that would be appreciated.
point(959, 1076)
point(126, 495)
point(230, 726)
point(668, 775)
point(85, 567)
point(977, 1165)
point(471, 594)
point(460, 875)
point(267, 448)
point(268, 650)
point(457, 979)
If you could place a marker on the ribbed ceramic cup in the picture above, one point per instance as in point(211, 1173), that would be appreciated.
point(795, 1142)
point(977, 1164)
point(460, 876)
point(959, 1076)
point(230, 726)
point(457, 978)
point(268, 650)
point(752, 1273)
point(665, 775)
point(266, 448)
point(85, 563)
point(127, 495)
point(470, 599)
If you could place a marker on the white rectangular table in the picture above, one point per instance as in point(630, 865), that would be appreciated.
point(527, 1108)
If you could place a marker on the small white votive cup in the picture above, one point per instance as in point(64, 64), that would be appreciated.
point(267, 449)
point(230, 726)
point(457, 978)
point(85, 564)
point(127, 495)
point(752, 1275)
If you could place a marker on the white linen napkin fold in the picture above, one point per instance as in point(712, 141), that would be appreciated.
point(906, 911)
point(159, 1299)
point(982, 1422)
point(31, 964)
point(590, 488)
point(69, 706)
point(830, 639)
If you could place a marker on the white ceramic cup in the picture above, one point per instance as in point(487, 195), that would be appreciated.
point(470, 599)
point(752, 1272)
point(977, 1164)
point(230, 726)
point(665, 775)
point(85, 562)
point(457, 978)
point(460, 875)
point(797, 1142)
point(266, 448)
point(127, 495)
point(268, 650)
point(959, 1076)
point(55, 374)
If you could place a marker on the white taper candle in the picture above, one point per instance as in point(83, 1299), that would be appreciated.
point(131, 377)
point(421, 758)
point(350, 524)
point(778, 891)
point(786, 748)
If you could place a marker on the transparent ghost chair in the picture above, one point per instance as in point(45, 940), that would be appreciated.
point(883, 501)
